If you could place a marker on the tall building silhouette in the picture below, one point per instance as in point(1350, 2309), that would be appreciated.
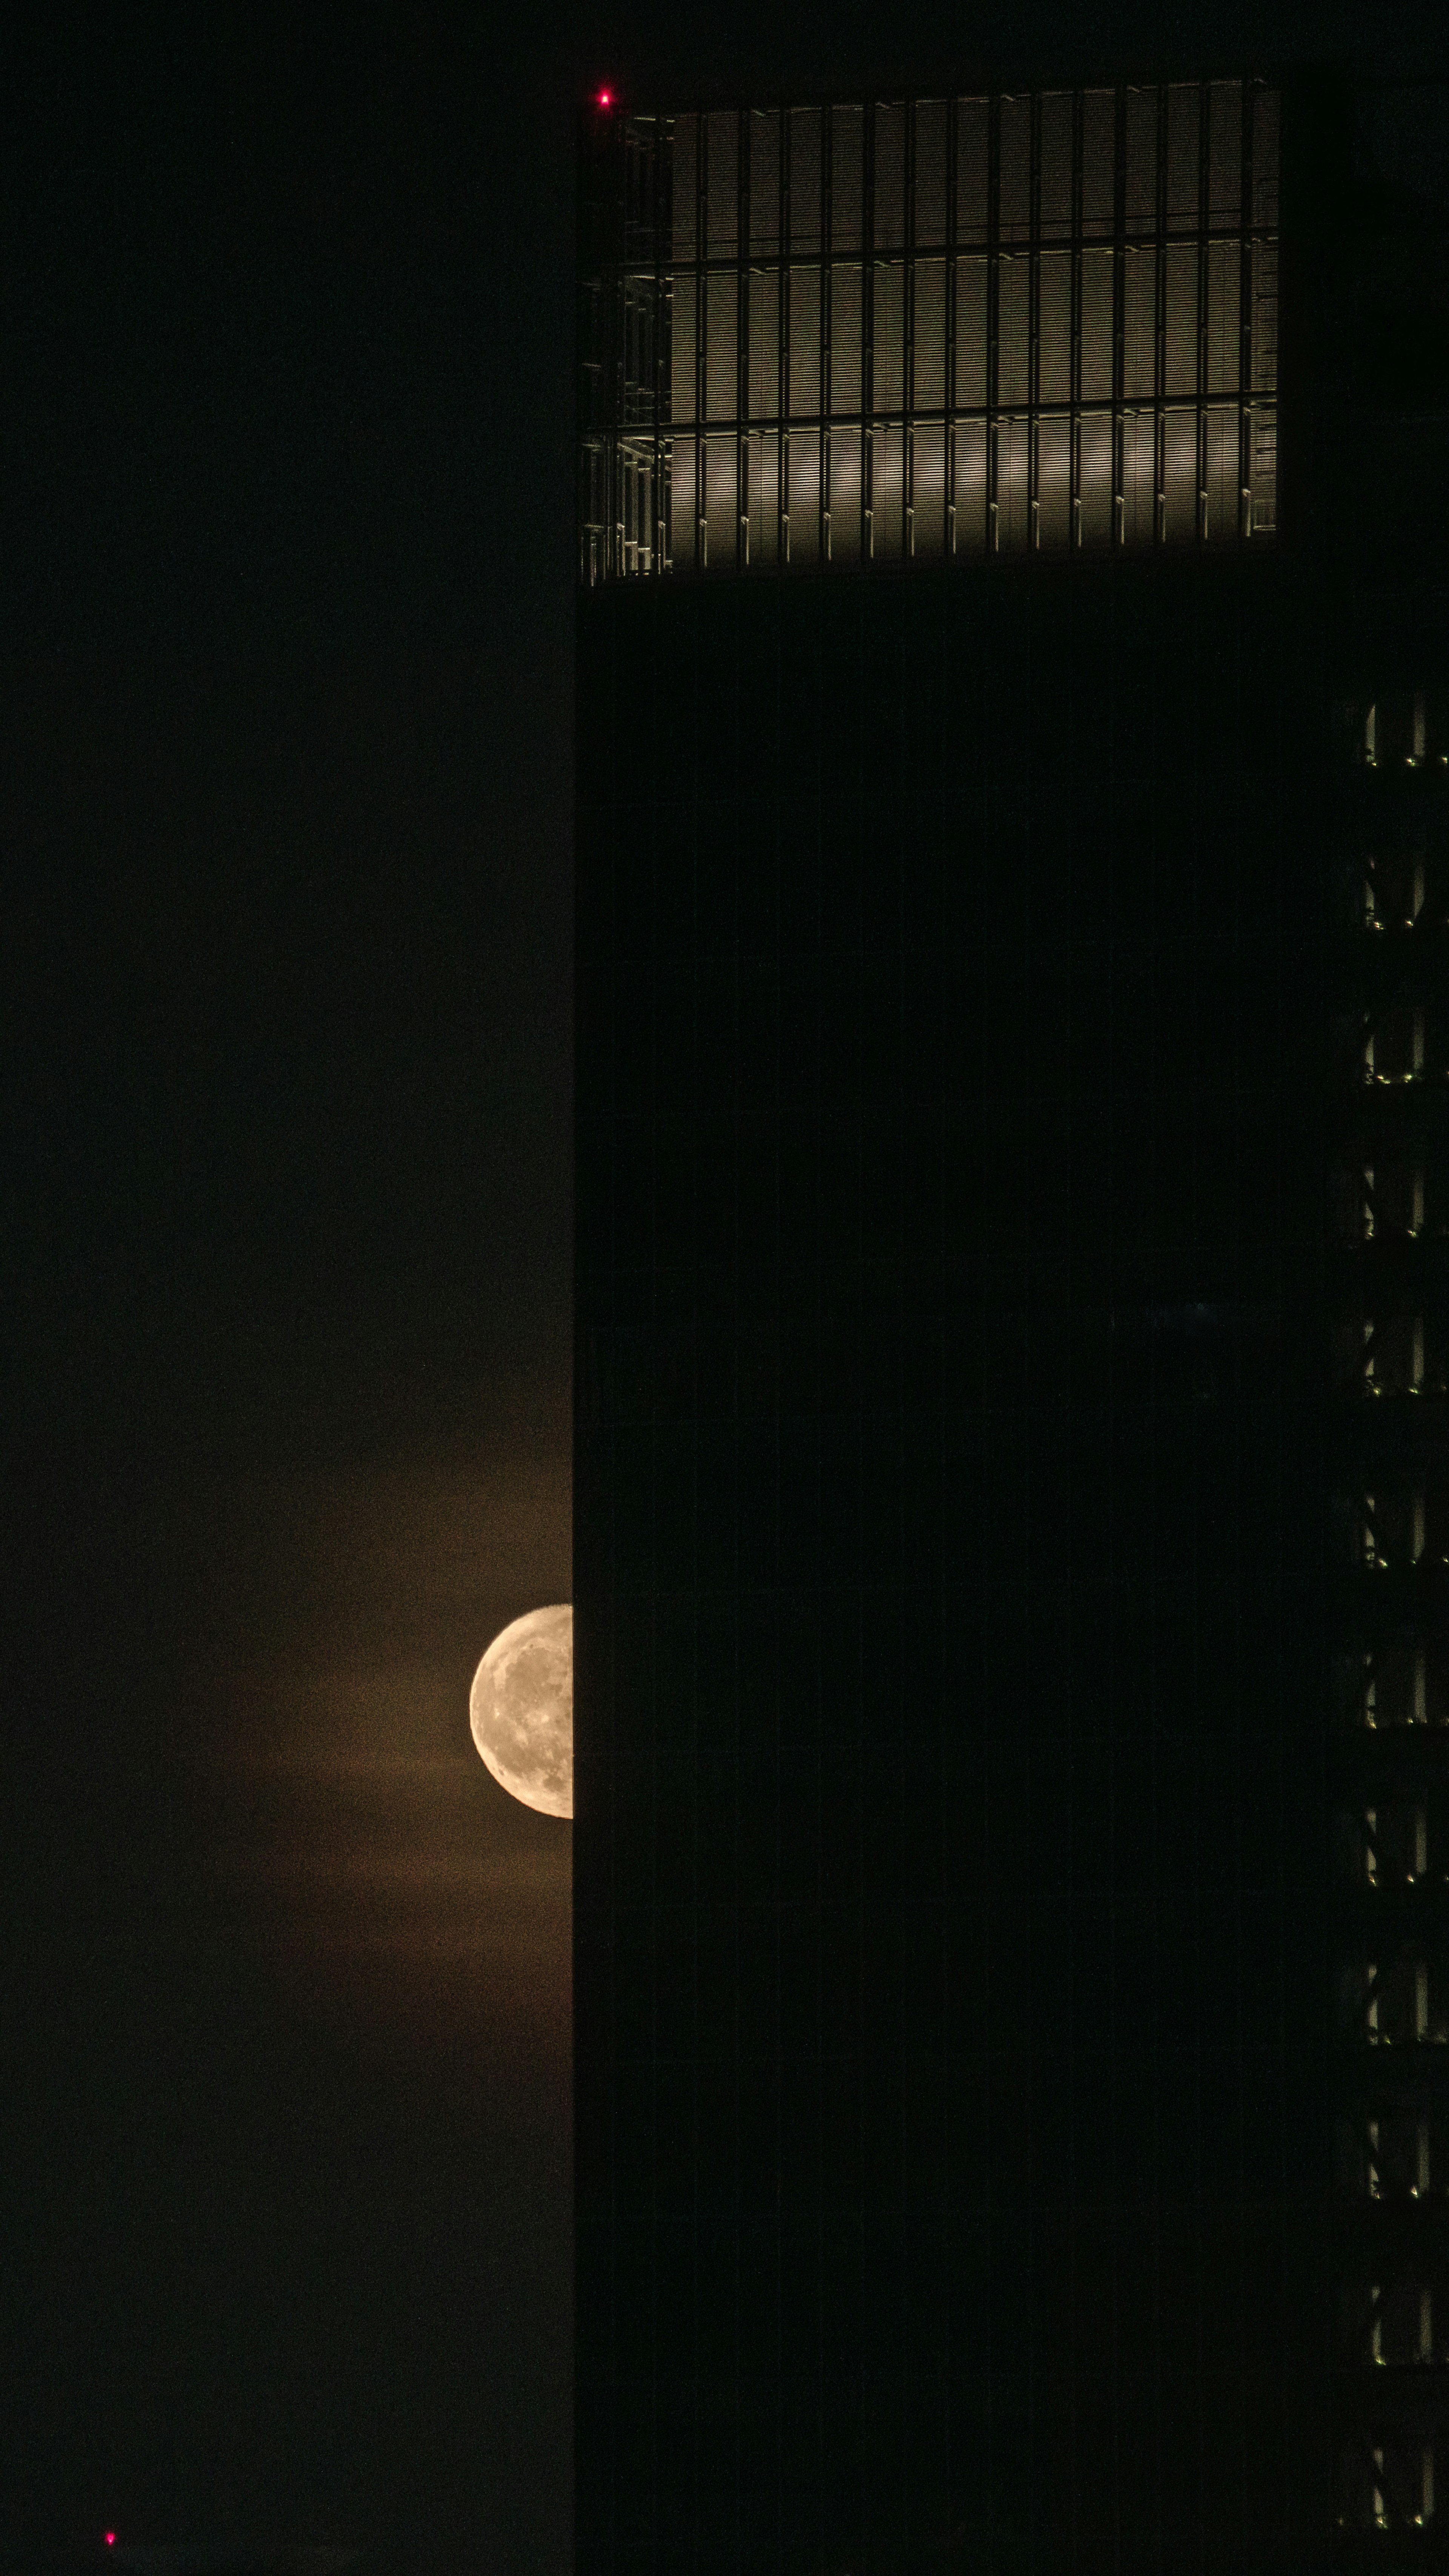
point(1012, 1507)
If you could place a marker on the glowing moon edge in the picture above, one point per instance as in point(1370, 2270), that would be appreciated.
point(521, 1709)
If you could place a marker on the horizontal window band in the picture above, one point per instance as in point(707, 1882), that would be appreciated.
point(647, 275)
point(807, 424)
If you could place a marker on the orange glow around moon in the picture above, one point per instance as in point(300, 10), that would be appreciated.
point(415, 1916)
point(521, 1709)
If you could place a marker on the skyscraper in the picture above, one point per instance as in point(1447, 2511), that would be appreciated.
point(1012, 1507)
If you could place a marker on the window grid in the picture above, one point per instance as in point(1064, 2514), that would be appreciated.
point(929, 329)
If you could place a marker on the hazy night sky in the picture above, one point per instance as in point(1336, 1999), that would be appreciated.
point(285, 411)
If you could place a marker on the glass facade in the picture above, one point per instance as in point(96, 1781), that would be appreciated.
point(949, 1959)
point(930, 328)
point(1012, 1305)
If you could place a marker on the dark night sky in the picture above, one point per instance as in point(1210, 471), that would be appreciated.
point(285, 590)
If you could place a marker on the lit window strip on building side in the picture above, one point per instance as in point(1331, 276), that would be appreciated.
point(1391, 1201)
point(934, 327)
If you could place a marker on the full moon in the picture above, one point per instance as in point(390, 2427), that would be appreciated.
point(521, 1709)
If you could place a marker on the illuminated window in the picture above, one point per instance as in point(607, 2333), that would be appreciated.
point(1394, 1527)
point(1395, 887)
point(823, 335)
point(1391, 1844)
point(1402, 1682)
point(1391, 1356)
point(1393, 2156)
point(1386, 1200)
point(1400, 2326)
point(1400, 2002)
point(1407, 729)
point(1388, 2485)
point(1396, 1045)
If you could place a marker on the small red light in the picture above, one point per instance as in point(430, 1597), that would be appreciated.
point(605, 98)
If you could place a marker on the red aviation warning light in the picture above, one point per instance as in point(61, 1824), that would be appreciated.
point(604, 98)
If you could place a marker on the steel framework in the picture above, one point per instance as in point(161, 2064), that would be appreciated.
point(929, 327)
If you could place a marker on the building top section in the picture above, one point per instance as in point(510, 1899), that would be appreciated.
point(918, 328)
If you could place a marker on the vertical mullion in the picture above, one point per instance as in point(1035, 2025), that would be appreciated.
point(952, 251)
point(615, 551)
point(613, 547)
point(1200, 229)
point(827, 226)
point(661, 169)
point(743, 122)
point(908, 344)
point(782, 339)
point(624, 478)
point(1033, 330)
point(993, 320)
point(1159, 331)
point(637, 177)
point(784, 322)
point(609, 373)
point(1245, 318)
point(1119, 323)
point(867, 336)
point(1074, 382)
point(701, 335)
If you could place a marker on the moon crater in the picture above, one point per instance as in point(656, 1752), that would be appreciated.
point(521, 1709)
